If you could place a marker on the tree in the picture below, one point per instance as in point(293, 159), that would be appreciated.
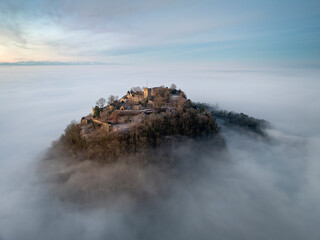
point(173, 86)
point(101, 102)
point(162, 96)
point(136, 89)
point(111, 99)
point(173, 89)
point(96, 111)
point(72, 136)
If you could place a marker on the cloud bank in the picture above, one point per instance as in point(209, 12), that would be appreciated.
point(261, 189)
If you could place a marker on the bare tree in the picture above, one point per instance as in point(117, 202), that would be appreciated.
point(111, 99)
point(101, 102)
point(173, 86)
point(136, 89)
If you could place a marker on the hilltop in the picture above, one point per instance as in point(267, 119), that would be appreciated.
point(139, 124)
point(138, 145)
point(122, 114)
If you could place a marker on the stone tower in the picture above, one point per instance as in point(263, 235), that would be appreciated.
point(147, 92)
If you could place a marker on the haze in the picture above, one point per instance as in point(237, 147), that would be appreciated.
point(258, 57)
point(265, 189)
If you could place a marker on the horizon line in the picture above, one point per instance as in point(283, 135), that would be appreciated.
point(51, 63)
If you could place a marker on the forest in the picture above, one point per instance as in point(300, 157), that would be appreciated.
point(153, 132)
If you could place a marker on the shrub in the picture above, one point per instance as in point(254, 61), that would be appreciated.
point(97, 111)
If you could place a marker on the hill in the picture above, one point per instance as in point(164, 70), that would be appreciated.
point(136, 125)
point(138, 146)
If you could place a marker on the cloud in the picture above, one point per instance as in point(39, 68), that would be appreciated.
point(257, 190)
point(49, 63)
point(92, 31)
point(261, 189)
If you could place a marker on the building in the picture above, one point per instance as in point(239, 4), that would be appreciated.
point(85, 120)
point(108, 125)
point(148, 92)
point(124, 99)
point(132, 97)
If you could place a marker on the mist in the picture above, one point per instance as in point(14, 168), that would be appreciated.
point(256, 188)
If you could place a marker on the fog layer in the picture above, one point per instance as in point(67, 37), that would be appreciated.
point(259, 188)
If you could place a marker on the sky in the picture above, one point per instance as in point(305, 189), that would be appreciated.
point(246, 32)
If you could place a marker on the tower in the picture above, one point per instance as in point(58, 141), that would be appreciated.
point(147, 92)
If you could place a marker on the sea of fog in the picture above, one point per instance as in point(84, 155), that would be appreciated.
point(266, 189)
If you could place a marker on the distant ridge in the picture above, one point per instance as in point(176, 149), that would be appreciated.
point(50, 63)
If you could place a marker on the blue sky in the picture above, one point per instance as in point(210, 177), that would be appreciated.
point(143, 32)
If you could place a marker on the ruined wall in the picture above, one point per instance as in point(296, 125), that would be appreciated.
point(107, 126)
point(146, 92)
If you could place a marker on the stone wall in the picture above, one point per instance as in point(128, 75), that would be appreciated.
point(107, 126)
point(147, 92)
